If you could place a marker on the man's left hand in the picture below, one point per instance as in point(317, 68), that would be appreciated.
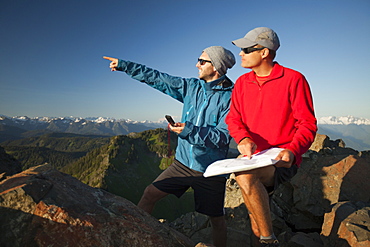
point(286, 159)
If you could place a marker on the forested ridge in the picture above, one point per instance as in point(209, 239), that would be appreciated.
point(123, 164)
point(57, 149)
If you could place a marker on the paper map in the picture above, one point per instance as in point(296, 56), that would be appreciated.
point(226, 166)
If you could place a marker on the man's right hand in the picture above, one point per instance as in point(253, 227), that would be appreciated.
point(178, 127)
point(247, 147)
point(114, 63)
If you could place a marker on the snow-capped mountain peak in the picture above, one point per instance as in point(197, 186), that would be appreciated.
point(343, 120)
point(332, 120)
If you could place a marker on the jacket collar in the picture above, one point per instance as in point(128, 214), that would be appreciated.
point(277, 72)
point(221, 84)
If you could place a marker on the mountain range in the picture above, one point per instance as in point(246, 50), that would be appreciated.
point(354, 131)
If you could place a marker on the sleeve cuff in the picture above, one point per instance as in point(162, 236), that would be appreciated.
point(243, 139)
point(121, 65)
point(187, 130)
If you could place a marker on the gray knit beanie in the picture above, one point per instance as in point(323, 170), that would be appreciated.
point(221, 58)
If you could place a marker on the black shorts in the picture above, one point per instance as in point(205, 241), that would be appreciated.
point(209, 193)
point(282, 174)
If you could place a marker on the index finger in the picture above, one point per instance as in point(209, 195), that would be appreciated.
point(248, 154)
point(110, 58)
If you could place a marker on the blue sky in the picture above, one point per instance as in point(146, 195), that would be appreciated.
point(51, 51)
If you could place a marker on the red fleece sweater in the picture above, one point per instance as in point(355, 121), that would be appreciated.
point(279, 113)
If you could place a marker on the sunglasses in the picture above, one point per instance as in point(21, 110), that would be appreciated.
point(203, 62)
point(251, 49)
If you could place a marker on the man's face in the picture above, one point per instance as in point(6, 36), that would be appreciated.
point(250, 60)
point(206, 70)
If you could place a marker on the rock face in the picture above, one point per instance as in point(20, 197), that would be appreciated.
point(347, 224)
point(323, 182)
point(328, 190)
point(329, 195)
point(43, 207)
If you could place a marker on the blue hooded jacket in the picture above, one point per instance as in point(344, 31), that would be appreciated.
point(205, 137)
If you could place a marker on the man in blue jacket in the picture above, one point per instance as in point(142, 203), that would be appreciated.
point(202, 133)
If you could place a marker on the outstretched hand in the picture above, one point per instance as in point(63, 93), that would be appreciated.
point(113, 64)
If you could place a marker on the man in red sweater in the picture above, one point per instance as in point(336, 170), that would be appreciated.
point(271, 106)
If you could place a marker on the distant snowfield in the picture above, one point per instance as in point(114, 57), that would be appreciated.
point(343, 120)
point(346, 120)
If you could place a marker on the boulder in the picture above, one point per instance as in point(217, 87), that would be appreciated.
point(198, 227)
point(301, 239)
point(44, 207)
point(322, 183)
point(309, 202)
point(348, 224)
point(320, 142)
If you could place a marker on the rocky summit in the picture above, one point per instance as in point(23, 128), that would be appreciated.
point(326, 204)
